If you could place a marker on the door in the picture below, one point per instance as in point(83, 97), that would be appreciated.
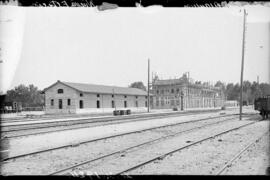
point(98, 104)
point(60, 104)
point(81, 104)
point(182, 103)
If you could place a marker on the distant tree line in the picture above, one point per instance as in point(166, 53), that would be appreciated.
point(29, 96)
point(250, 90)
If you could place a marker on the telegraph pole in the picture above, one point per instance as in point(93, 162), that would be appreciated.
point(114, 102)
point(242, 66)
point(148, 98)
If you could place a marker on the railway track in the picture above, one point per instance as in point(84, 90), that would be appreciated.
point(116, 135)
point(68, 169)
point(48, 117)
point(91, 122)
point(229, 163)
point(159, 157)
point(98, 119)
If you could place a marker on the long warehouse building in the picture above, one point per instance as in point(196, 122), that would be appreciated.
point(67, 97)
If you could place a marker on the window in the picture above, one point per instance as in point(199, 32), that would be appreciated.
point(125, 96)
point(113, 106)
point(52, 102)
point(68, 102)
point(81, 104)
point(112, 95)
point(177, 90)
point(98, 104)
point(136, 97)
point(172, 91)
point(97, 95)
point(136, 103)
point(60, 91)
point(125, 104)
point(60, 104)
point(157, 91)
point(81, 94)
point(172, 102)
point(145, 97)
point(162, 102)
point(145, 103)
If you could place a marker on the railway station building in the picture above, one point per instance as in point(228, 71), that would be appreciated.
point(183, 94)
point(67, 97)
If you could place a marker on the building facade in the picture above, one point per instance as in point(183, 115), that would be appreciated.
point(183, 94)
point(66, 97)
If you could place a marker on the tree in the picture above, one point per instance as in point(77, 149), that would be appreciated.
point(250, 91)
point(221, 85)
point(29, 96)
point(265, 89)
point(138, 85)
point(229, 91)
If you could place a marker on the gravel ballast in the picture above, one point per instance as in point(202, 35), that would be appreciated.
point(128, 159)
point(207, 158)
point(47, 162)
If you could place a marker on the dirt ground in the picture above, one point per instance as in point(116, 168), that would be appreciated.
point(202, 159)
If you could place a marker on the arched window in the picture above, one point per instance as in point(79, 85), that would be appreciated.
point(60, 91)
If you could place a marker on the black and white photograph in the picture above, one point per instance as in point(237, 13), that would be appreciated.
point(91, 89)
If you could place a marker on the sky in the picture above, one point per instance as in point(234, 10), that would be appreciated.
point(42, 45)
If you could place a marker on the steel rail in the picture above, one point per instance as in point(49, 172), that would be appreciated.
point(179, 149)
point(89, 126)
point(111, 118)
point(230, 162)
point(113, 121)
point(135, 146)
point(107, 137)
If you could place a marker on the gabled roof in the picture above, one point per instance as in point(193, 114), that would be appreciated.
point(102, 89)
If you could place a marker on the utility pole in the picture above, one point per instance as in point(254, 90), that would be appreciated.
point(148, 98)
point(114, 102)
point(242, 65)
point(188, 95)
